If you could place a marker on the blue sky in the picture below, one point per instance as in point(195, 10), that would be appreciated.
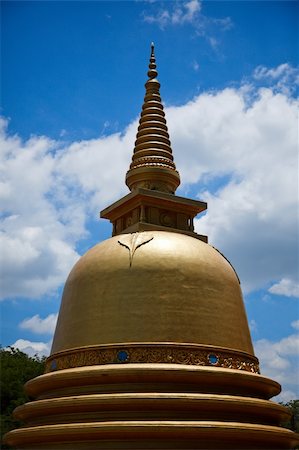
point(72, 89)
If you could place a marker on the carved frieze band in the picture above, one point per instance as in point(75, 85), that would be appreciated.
point(152, 354)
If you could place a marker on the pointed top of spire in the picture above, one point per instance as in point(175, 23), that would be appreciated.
point(152, 73)
point(152, 164)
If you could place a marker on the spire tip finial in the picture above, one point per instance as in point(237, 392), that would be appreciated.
point(152, 50)
point(152, 73)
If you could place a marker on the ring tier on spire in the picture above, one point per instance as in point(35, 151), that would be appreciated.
point(152, 164)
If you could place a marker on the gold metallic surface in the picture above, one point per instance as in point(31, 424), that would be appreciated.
point(250, 435)
point(169, 288)
point(149, 406)
point(151, 378)
point(152, 164)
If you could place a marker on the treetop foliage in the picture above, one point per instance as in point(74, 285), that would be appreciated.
point(16, 369)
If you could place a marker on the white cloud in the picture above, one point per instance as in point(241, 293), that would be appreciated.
point(33, 348)
point(36, 240)
point(295, 324)
point(195, 66)
point(284, 78)
point(162, 18)
point(245, 158)
point(188, 13)
point(40, 326)
point(46, 193)
point(109, 154)
point(287, 287)
point(213, 42)
point(262, 72)
point(280, 361)
point(180, 13)
point(253, 326)
point(62, 133)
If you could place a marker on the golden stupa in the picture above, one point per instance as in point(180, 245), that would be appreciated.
point(152, 348)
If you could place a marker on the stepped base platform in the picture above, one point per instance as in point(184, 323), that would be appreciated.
point(151, 406)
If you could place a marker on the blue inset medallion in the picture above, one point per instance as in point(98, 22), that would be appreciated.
point(122, 356)
point(213, 359)
point(53, 365)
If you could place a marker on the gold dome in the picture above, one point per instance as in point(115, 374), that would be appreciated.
point(153, 286)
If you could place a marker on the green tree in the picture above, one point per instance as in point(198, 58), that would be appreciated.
point(16, 369)
point(293, 422)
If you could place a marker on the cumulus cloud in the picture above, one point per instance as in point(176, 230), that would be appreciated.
point(280, 361)
point(253, 326)
point(283, 77)
point(33, 348)
point(37, 246)
point(186, 13)
point(295, 324)
point(40, 326)
point(286, 287)
point(262, 72)
point(91, 165)
point(190, 13)
point(46, 193)
point(245, 158)
point(178, 14)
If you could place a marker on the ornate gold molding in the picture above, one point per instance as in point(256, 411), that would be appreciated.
point(155, 354)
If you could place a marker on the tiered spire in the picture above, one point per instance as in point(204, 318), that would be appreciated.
point(152, 164)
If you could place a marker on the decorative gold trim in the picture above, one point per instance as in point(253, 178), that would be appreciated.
point(153, 353)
